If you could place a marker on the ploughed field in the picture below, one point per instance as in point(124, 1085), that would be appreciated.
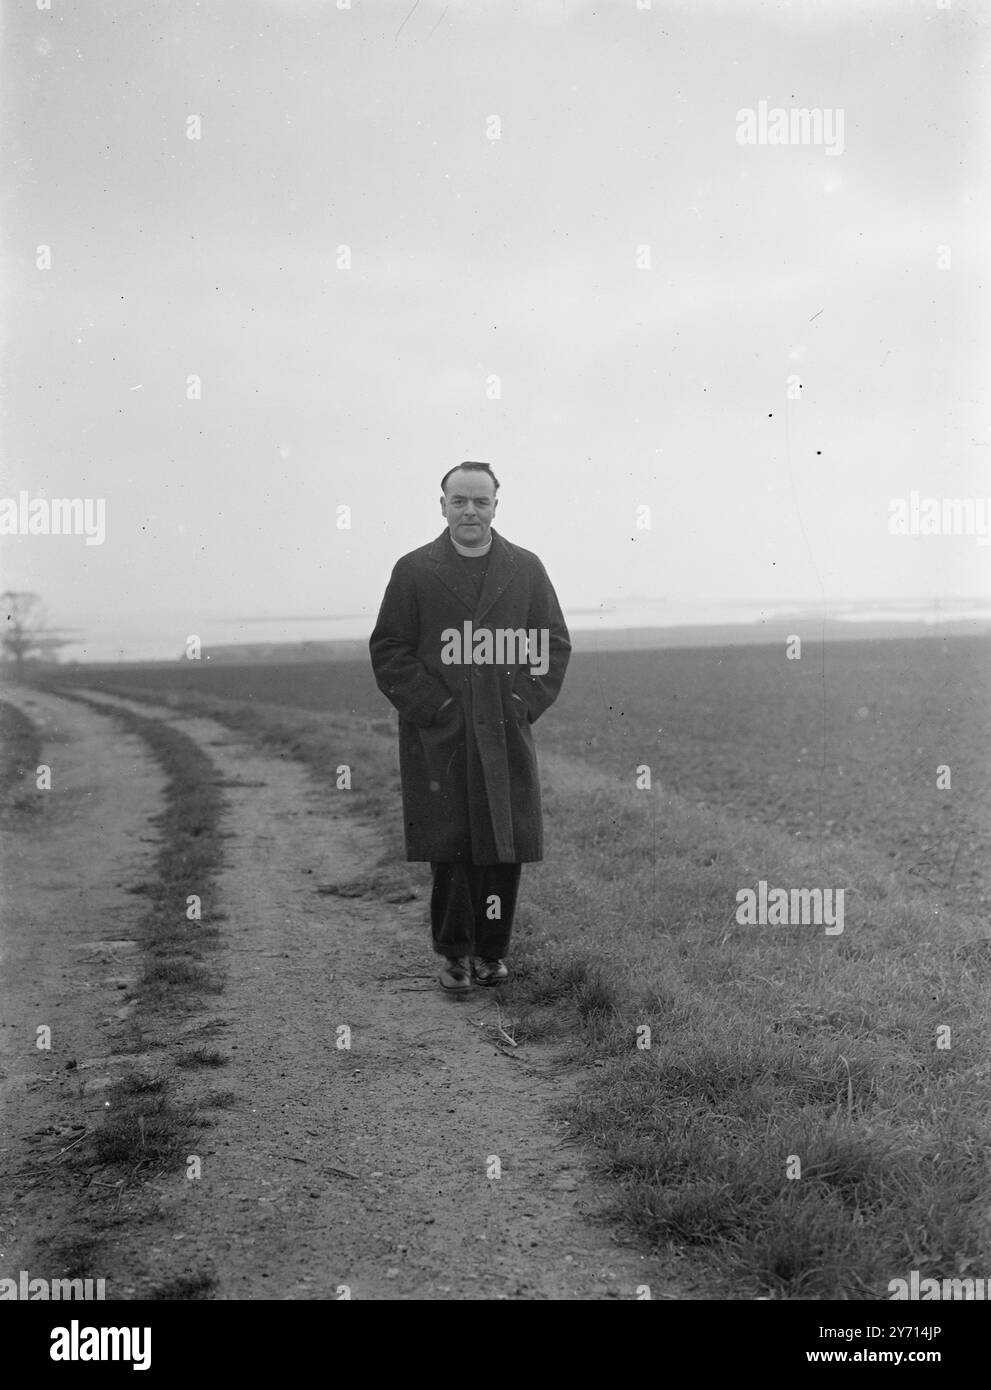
point(845, 743)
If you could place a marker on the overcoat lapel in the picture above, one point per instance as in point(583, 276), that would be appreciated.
point(499, 575)
point(443, 561)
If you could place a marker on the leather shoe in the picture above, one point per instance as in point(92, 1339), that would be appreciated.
point(490, 972)
point(455, 975)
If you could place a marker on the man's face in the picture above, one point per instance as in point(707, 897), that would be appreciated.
point(468, 506)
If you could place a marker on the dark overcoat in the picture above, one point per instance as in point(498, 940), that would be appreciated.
point(471, 790)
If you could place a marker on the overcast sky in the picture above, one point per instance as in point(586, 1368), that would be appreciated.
point(475, 258)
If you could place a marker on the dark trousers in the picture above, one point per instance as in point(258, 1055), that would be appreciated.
point(462, 913)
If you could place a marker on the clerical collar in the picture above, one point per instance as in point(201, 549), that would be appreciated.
point(472, 552)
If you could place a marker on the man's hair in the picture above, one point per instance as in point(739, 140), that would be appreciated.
point(470, 467)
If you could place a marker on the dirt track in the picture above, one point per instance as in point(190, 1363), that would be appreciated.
point(364, 1167)
point(67, 957)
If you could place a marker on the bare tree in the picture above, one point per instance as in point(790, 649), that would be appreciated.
point(27, 635)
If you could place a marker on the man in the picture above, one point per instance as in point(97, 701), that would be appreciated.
point(471, 647)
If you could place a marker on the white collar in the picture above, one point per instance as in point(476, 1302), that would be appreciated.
point(471, 552)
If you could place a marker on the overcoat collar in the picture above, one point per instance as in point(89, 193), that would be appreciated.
point(445, 563)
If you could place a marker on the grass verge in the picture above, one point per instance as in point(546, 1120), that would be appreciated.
point(20, 754)
point(147, 1128)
